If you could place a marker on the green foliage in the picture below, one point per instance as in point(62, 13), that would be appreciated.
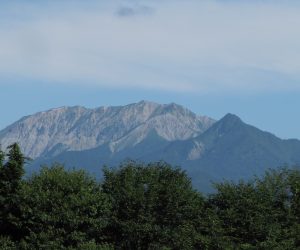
point(92, 245)
point(63, 208)
point(12, 171)
point(11, 174)
point(15, 165)
point(140, 206)
point(154, 206)
point(6, 243)
point(260, 214)
point(2, 156)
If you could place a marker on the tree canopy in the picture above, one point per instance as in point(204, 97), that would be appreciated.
point(144, 206)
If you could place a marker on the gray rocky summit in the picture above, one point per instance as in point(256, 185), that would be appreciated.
point(78, 128)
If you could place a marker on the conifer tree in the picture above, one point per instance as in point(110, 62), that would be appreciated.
point(11, 174)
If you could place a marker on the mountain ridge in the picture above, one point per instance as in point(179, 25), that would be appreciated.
point(80, 128)
point(208, 150)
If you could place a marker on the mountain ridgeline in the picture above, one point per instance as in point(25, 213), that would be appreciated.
point(208, 150)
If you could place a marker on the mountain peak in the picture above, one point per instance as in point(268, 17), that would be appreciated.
point(229, 122)
point(145, 102)
point(231, 117)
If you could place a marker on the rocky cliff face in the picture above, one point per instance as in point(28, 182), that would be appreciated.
point(78, 128)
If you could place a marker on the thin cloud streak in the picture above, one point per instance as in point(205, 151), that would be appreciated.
point(193, 46)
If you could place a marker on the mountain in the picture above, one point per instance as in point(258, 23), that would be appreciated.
point(233, 150)
point(49, 133)
point(208, 150)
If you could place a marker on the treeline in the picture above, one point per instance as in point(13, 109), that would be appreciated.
point(140, 206)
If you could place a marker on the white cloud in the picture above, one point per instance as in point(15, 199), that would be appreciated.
point(169, 45)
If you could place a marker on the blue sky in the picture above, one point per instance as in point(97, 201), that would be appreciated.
point(213, 57)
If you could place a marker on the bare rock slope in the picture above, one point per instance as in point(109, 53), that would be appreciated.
point(77, 128)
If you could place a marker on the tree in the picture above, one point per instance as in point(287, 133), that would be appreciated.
point(64, 209)
point(2, 156)
point(144, 206)
point(11, 174)
point(154, 206)
point(261, 213)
